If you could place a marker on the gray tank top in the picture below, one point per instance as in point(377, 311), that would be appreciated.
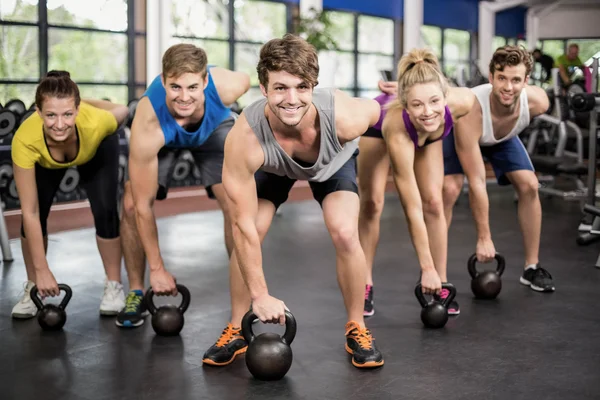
point(332, 155)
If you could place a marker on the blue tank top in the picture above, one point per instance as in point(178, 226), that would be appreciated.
point(412, 131)
point(175, 136)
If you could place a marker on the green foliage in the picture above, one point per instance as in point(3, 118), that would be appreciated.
point(315, 29)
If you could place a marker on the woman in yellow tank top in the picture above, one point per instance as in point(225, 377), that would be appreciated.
point(67, 132)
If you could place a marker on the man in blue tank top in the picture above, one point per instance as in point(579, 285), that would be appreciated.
point(491, 130)
point(184, 108)
point(295, 133)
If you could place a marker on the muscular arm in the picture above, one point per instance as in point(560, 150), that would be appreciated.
point(467, 134)
point(231, 85)
point(243, 157)
point(28, 196)
point(538, 101)
point(353, 116)
point(146, 140)
point(402, 154)
point(119, 111)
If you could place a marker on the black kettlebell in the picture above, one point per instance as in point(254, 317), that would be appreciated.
point(168, 320)
point(269, 356)
point(52, 317)
point(435, 313)
point(486, 284)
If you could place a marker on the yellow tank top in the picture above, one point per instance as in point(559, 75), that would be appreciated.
point(28, 146)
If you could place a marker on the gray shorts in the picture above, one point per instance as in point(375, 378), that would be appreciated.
point(208, 158)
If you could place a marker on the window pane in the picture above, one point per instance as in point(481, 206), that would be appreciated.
point(336, 69)
point(369, 67)
point(451, 69)
point(342, 30)
point(511, 41)
point(100, 14)
point(88, 56)
point(498, 41)
point(522, 43)
point(25, 93)
point(259, 21)
point(554, 48)
point(456, 44)
point(369, 94)
point(246, 58)
point(116, 94)
point(375, 35)
point(19, 10)
point(250, 97)
point(217, 52)
point(19, 57)
point(431, 36)
point(200, 18)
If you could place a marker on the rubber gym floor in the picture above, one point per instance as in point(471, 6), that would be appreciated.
point(523, 345)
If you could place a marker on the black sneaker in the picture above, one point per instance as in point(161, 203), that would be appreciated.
point(228, 347)
point(134, 312)
point(538, 279)
point(360, 343)
point(453, 308)
point(369, 310)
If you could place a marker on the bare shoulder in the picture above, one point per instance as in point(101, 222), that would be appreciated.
point(537, 99)
point(353, 115)
point(146, 133)
point(393, 124)
point(230, 85)
point(460, 101)
point(242, 146)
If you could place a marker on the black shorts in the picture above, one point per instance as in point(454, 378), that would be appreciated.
point(208, 158)
point(372, 132)
point(276, 188)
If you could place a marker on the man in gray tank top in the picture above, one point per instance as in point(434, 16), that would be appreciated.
point(504, 109)
point(295, 133)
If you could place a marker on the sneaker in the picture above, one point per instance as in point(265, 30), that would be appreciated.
point(113, 299)
point(132, 315)
point(228, 347)
point(538, 279)
point(369, 310)
point(360, 343)
point(25, 308)
point(453, 308)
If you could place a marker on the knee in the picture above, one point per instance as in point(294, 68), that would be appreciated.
point(106, 220)
point(451, 190)
point(128, 204)
point(527, 189)
point(345, 237)
point(433, 207)
point(371, 207)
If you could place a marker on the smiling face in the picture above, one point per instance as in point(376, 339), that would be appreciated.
point(508, 84)
point(425, 103)
point(185, 93)
point(58, 115)
point(288, 96)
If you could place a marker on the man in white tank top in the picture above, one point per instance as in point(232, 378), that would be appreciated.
point(296, 133)
point(490, 131)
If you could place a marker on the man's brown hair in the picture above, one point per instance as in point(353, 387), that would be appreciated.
point(184, 58)
point(511, 56)
point(291, 54)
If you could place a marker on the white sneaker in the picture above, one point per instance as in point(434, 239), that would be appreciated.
point(113, 299)
point(25, 308)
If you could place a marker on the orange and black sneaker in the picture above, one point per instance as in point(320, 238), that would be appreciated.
point(230, 345)
point(360, 343)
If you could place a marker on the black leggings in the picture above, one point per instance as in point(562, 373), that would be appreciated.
point(99, 177)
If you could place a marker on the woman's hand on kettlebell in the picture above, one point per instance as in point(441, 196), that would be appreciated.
point(46, 284)
point(268, 309)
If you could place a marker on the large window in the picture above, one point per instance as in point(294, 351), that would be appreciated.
point(457, 48)
point(87, 38)
point(431, 37)
point(375, 52)
point(337, 66)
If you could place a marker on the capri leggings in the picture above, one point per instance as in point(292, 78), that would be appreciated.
point(99, 177)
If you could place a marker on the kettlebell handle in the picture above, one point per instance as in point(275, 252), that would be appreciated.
point(290, 327)
point(423, 302)
point(185, 300)
point(61, 286)
point(473, 260)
